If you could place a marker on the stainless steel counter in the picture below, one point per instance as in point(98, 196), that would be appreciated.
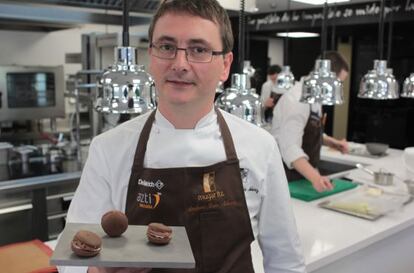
point(35, 206)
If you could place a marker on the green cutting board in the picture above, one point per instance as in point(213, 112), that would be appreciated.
point(302, 189)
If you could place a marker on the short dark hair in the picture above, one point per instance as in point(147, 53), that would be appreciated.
point(207, 9)
point(274, 69)
point(338, 62)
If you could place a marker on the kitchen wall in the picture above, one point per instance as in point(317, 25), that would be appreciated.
point(275, 52)
point(49, 48)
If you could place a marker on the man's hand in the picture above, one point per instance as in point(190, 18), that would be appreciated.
point(340, 145)
point(322, 184)
point(117, 270)
point(269, 103)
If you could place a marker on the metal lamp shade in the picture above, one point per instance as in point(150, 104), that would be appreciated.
point(379, 83)
point(126, 87)
point(285, 79)
point(408, 87)
point(322, 86)
point(228, 94)
point(241, 101)
point(249, 71)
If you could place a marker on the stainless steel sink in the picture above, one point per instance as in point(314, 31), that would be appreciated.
point(330, 167)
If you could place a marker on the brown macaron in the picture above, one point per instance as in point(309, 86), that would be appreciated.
point(159, 234)
point(86, 243)
point(114, 223)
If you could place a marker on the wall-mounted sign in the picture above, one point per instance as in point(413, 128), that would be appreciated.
point(367, 13)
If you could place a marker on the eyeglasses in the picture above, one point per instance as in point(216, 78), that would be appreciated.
point(194, 54)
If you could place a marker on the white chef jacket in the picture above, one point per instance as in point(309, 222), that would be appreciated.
point(289, 120)
point(267, 88)
point(105, 177)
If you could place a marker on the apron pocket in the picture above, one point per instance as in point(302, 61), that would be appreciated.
point(223, 238)
point(214, 242)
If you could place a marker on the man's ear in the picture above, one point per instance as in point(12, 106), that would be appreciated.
point(228, 59)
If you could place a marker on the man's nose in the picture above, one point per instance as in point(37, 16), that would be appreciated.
point(180, 61)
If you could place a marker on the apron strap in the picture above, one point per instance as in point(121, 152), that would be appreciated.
point(227, 138)
point(146, 130)
point(142, 142)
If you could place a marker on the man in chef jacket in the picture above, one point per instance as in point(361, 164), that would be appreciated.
point(270, 94)
point(298, 129)
point(190, 164)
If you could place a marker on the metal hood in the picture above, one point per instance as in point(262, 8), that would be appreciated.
point(49, 15)
point(144, 6)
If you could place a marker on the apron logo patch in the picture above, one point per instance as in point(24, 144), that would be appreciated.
point(209, 188)
point(149, 184)
point(148, 200)
point(209, 184)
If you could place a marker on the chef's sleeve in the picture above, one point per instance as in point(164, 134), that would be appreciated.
point(277, 236)
point(289, 121)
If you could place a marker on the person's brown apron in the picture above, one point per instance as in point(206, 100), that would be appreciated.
point(209, 201)
point(269, 111)
point(311, 144)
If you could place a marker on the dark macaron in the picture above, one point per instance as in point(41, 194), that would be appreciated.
point(159, 234)
point(86, 243)
point(114, 223)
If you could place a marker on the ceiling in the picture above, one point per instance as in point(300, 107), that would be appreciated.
point(49, 15)
point(280, 5)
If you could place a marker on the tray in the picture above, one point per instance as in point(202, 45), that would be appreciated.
point(130, 250)
point(369, 203)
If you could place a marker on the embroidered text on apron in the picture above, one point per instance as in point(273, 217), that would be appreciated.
point(209, 201)
point(311, 144)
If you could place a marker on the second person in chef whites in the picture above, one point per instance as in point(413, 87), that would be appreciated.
point(298, 129)
point(215, 173)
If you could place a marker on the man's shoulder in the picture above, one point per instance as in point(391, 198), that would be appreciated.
point(292, 98)
point(241, 128)
point(125, 130)
point(267, 83)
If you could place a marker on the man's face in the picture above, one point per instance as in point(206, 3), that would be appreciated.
point(273, 77)
point(178, 81)
point(342, 75)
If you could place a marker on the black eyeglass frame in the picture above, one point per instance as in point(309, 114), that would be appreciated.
point(213, 53)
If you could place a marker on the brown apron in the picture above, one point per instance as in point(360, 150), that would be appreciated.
point(311, 144)
point(209, 201)
point(269, 111)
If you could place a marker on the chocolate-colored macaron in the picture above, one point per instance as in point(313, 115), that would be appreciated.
point(114, 223)
point(159, 234)
point(86, 243)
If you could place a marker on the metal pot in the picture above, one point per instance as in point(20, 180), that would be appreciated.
point(5, 149)
point(380, 177)
point(410, 186)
